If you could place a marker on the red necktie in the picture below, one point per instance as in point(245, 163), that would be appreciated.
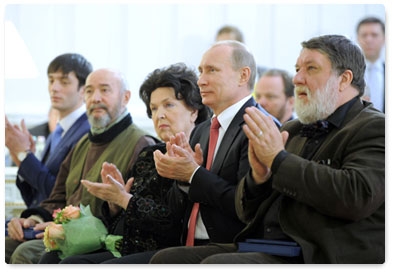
point(211, 148)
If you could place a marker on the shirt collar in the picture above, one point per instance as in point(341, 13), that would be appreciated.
point(377, 65)
point(339, 115)
point(71, 118)
point(226, 116)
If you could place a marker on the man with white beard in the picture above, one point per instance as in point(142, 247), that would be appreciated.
point(316, 191)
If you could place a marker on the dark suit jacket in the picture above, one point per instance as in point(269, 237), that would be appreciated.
point(215, 189)
point(36, 178)
point(333, 205)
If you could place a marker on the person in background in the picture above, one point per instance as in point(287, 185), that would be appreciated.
point(145, 216)
point(274, 91)
point(371, 38)
point(36, 176)
point(229, 32)
point(317, 186)
point(44, 129)
point(112, 137)
point(227, 72)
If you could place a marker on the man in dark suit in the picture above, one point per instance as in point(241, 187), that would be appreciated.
point(371, 38)
point(36, 176)
point(227, 73)
point(322, 192)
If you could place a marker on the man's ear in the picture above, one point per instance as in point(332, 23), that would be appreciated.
point(245, 74)
point(346, 79)
point(126, 97)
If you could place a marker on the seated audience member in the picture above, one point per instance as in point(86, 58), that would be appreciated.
point(228, 32)
point(323, 191)
point(274, 91)
point(210, 173)
point(146, 217)
point(36, 176)
point(112, 137)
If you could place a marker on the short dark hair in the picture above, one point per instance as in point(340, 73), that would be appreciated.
point(71, 62)
point(371, 20)
point(286, 77)
point(184, 82)
point(343, 55)
point(231, 29)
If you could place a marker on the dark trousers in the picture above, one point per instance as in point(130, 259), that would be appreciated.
point(216, 254)
point(104, 257)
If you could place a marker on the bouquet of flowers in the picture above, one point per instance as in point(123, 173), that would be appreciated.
point(76, 231)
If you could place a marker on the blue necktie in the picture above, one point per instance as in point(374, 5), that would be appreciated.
point(56, 136)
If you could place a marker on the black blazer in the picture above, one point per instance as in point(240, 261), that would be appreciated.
point(215, 189)
point(334, 204)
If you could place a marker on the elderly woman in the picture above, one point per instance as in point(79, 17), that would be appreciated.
point(139, 210)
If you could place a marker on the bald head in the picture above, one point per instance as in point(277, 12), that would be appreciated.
point(106, 97)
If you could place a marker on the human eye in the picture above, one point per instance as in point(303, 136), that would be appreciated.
point(311, 68)
point(169, 105)
point(105, 89)
point(87, 90)
point(271, 97)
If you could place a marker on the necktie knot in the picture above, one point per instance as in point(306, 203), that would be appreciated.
point(215, 124)
point(214, 132)
point(315, 129)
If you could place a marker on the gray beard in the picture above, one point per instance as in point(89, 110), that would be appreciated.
point(99, 123)
point(320, 104)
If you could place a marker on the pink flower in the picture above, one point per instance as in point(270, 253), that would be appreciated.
point(55, 212)
point(71, 212)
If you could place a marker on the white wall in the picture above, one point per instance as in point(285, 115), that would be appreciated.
point(137, 38)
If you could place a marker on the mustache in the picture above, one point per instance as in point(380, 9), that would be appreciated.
point(99, 105)
point(301, 89)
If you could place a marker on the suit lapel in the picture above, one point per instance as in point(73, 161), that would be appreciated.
point(230, 134)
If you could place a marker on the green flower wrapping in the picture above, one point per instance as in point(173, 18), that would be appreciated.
point(84, 235)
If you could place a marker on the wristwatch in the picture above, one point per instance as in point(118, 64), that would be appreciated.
point(22, 155)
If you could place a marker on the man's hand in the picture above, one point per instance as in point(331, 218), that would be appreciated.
point(113, 189)
point(181, 140)
point(177, 163)
point(265, 142)
point(260, 172)
point(18, 139)
point(16, 225)
point(264, 135)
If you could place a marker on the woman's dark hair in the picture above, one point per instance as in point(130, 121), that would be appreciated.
point(69, 62)
point(184, 82)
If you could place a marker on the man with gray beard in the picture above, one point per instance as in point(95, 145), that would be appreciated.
point(315, 192)
point(113, 138)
